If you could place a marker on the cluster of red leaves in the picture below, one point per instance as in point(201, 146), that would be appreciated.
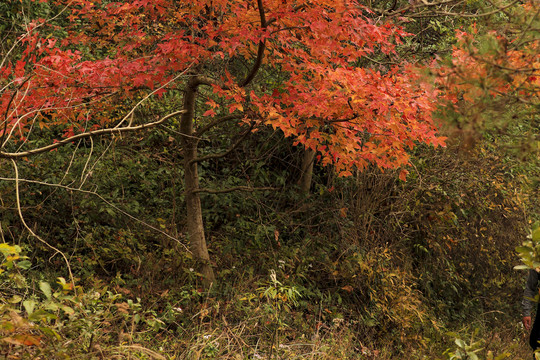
point(111, 51)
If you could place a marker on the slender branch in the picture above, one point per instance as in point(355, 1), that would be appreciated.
point(217, 122)
point(86, 135)
point(260, 50)
point(17, 123)
point(339, 120)
point(20, 39)
point(331, 121)
point(18, 199)
point(257, 65)
point(36, 112)
point(130, 113)
point(261, 13)
point(7, 110)
point(237, 188)
point(446, 13)
point(205, 80)
point(426, 4)
point(83, 178)
point(225, 153)
point(531, 70)
point(296, 8)
point(529, 27)
point(102, 199)
point(289, 28)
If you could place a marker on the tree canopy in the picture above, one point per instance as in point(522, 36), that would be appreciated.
point(76, 75)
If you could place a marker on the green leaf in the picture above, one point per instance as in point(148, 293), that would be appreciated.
point(460, 343)
point(46, 288)
point(41, 315)
point(29, 306)
point(521, 267)
point(523, 249)
point(8, 249)
point(15, 299)
point(502, 356)
point(51, 306)
point(536, 234)
point(25, 264)
point(49, 332)
point(68, 309)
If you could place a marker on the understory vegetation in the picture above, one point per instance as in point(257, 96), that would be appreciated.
point(366, 267)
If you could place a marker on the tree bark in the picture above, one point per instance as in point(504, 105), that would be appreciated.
point(306, 171)
point(195, 226)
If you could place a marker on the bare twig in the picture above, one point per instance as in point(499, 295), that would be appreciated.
point(7, 110)
point(16, 43)
point(130, 113)
point(83, 178)
point(110, 131)
point(18, 199)
point(102, 199)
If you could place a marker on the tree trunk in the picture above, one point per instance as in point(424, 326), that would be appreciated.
point(195, 226)
point(306, 171)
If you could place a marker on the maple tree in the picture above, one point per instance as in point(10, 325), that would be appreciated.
point(88, 75)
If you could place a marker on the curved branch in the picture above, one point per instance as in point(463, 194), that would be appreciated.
point(102, 199)
point(19, 210)
point(205, 80)
point(4, 130)
point(260, 50)
point(226, 152)
point(217, 122)
point(256, 66)
point(86, 135)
